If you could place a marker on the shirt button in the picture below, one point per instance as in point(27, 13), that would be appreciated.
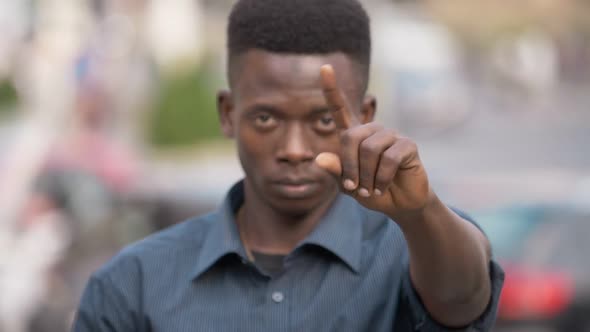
point(278, 297)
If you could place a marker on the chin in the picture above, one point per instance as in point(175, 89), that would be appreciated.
point(295, 208)
point(301, 206)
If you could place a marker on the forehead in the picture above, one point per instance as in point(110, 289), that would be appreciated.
point(261, 74)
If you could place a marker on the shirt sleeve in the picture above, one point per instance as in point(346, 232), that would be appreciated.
point(412, 316)
point(103, 309)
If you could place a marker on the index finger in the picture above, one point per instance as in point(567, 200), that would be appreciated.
point(342, 113)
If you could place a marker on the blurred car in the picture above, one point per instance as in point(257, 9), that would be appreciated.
point(544, 250)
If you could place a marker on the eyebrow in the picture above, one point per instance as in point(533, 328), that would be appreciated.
point(263, 108)
point(319, 111)
point(273, 110)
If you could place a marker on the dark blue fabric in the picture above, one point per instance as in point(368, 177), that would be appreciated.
point(350, 274)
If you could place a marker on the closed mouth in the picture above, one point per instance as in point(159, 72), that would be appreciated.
point(296, 188)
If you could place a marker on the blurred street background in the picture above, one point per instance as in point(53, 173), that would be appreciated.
point(109, 132)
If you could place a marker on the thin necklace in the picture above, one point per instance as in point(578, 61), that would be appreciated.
point(242, 233)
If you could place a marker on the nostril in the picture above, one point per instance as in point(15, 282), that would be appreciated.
point(295, 146)
point(292, 159)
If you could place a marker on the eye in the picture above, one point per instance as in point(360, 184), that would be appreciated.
point(326, 123)
point(327, 120)
point(264, 120)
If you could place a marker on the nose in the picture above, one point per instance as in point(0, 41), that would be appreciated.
point(295, 147)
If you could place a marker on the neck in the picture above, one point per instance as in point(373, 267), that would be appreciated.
point(266, 230)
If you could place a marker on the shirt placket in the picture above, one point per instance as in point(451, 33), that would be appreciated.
point(280, 298)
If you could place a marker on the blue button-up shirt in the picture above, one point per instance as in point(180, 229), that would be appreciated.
point(349, 274)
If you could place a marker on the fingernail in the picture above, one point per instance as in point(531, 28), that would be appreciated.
point(378, 192)
point(349, 185)
point(364, 193)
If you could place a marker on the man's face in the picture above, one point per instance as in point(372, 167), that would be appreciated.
point(278, 114)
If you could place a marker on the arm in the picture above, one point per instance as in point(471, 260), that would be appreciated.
point(449, 263)
point(103, 308)
point(382, 170)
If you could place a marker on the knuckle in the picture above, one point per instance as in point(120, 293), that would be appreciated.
point(408, 143)
point(393, 135)
point(391, 160)
point(375, 126)
point(368, 149)
point(351, 137)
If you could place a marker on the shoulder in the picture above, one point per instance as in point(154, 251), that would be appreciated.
point(379, 230)
point(376, 224)
point(161, 250)
point(138, 271)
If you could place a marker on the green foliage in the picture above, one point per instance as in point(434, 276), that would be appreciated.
point(185, 112)
point(8, 96)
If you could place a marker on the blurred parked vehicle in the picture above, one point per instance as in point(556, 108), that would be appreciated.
point(544, 250)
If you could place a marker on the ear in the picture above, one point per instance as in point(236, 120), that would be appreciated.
point(368, 109)
point(225, 108)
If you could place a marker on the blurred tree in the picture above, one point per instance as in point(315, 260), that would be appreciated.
point(185, 112)
point(8, 96)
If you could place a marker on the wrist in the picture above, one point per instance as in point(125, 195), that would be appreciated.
point(432, 206)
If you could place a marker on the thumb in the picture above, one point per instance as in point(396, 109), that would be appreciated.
point(330, 162)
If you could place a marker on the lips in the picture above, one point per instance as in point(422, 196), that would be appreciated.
point(295, 181)
point(295, 188)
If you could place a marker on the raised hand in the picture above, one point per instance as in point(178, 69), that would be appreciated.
point(378, 167)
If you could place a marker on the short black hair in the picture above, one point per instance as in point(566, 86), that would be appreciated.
point(301, 27)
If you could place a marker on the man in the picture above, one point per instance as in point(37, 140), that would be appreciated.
point(335, 226)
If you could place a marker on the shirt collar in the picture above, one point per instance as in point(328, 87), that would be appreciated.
point(223, 238)
point(338, 232)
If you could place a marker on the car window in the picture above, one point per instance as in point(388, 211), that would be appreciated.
point(556, 239)
point(507, 230)
point(573, 251)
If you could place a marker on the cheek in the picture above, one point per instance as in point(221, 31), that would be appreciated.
point(254, 148)
point(329, 143)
